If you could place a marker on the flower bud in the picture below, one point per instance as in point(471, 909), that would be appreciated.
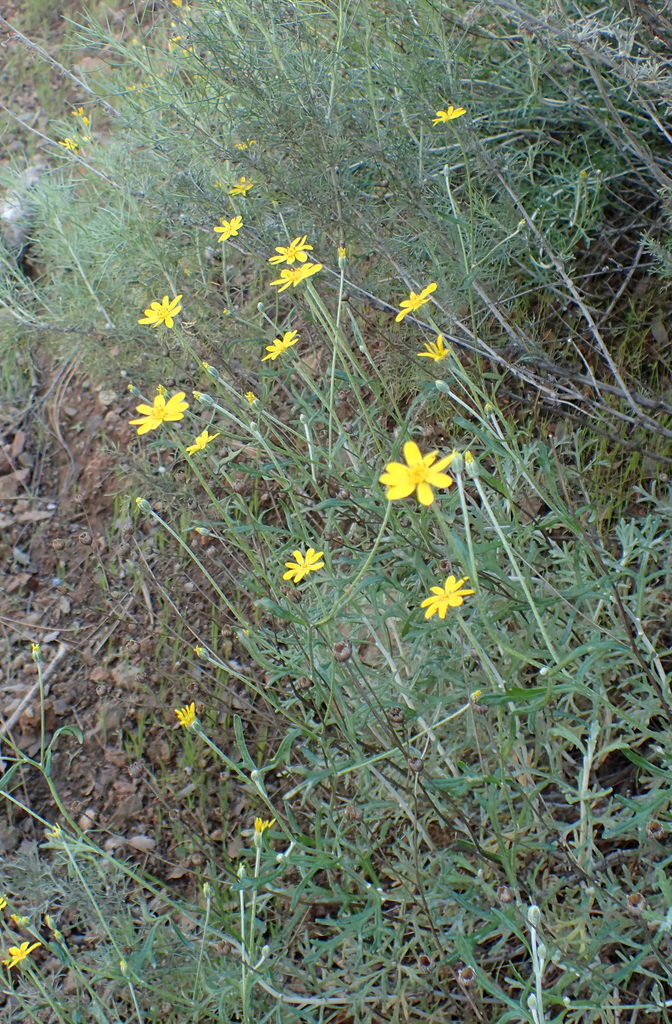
point(457, 463)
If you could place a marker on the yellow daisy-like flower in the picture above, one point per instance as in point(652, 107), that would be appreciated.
point(414, 301)
point(261, 826)
point(152, 416)
point(290, 278)
point(187, 715)
point(201, 442)
point(69, 143)
point(420, 474)
point(448, 115)
point(80, 113)
point(162, 312)
point(245, 145)
point(296, 250)
point(303, 565)
point(242, 188)
point(18, 953)
point(279, 345)
point(451, 595)
point(229, 228)
point(435, 350)
point(251, 397)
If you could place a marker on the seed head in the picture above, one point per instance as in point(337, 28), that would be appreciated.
point(425, 964)
point(635, 904)
point(466, 977)
point(343, 650)
point(505, 894)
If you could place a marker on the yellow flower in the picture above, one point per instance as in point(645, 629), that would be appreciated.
point(20, 920)
point(161, 412)
point(450, 595)
point(69, 144)
point(3, 902)
point(296, 250)
point(290, 278)
point(80, 113)
point(448, 115)
point(17, 954)
point(278, 346)
point(261, 826)
point(415, 301)
point(435, 350)
point(229, 228)
point(342, 252)
point(187, 715)
point(242, 188)
point(251, 397)
point(420, 474)
point(245, 145)
point(35, 652)
point(54, 832)
point(303, 565)
point(201, 442)
point(162, 312)
point(199, 651)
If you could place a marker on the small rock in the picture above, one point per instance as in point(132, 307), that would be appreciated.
point(87, 820)
point(145, 844)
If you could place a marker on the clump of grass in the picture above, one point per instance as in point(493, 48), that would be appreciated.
point(455, 747)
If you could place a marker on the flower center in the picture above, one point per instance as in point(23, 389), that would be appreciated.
point(418, 473)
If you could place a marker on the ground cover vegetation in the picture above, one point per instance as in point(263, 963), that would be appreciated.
point(387, 285)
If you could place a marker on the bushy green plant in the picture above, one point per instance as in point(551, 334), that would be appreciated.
point(443, 827)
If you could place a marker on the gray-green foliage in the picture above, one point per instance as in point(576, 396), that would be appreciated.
point(561, 122)
point(506, 780)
